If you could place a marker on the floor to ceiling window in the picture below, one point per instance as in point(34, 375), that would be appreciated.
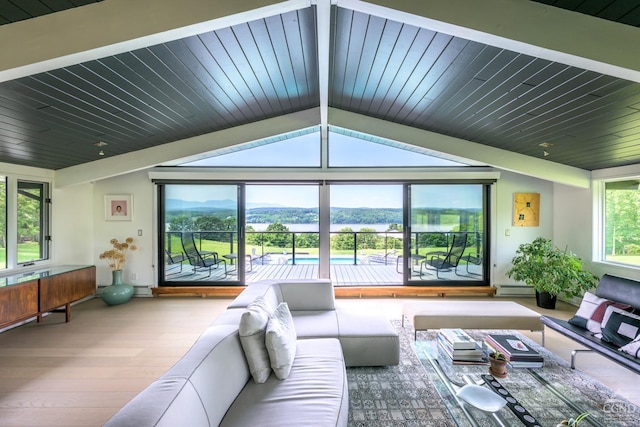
point(282, 231)
point(199, 233)
point(366, 233)
point(287, 207)
point(448, 233)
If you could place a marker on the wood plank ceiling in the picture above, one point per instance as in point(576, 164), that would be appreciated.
point(269, 67)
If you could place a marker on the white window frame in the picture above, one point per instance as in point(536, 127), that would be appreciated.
point(599, 180)
point(12, 223)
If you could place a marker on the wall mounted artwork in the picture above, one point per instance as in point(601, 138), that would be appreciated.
point(118, 207)
point(526, 209)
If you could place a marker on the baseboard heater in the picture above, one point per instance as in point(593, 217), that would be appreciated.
point(137, 289)
point(514, 290)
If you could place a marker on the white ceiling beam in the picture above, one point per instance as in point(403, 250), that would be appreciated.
point(502, 159)
point(111, 27)
point(523, 26)
point(323, 16)
point(189, 149)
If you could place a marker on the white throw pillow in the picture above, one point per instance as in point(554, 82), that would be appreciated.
point(633, 348)
point(252, 329)
point(281, 341)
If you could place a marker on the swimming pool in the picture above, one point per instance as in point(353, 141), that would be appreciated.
point(316, 260)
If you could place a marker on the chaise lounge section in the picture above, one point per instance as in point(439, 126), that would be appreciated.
point(367, 339)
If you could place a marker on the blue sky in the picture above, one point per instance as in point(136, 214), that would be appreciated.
point(304, 151)
point(345, 196)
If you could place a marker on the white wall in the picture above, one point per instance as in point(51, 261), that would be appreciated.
point(139, 269)
point(503, 246)
point(72, 225)
point(81, 232)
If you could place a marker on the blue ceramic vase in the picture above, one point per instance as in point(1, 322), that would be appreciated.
point(117, 292)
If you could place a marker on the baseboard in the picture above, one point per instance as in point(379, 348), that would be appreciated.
point(340, 292)
point(514, 291)
point(138, 290)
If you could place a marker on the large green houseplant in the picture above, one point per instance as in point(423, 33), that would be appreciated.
point(551, 270)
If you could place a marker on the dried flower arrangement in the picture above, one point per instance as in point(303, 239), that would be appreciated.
point(118, 255)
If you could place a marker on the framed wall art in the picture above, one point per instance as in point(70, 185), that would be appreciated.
point(118, 207)
point(526, 209)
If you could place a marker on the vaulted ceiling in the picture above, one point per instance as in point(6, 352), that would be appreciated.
point(552, 80)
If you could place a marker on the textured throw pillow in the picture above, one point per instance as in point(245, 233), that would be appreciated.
point(252, 329)
point(591, 312)
point(281, 341)
point(633, 348)
point(620, 327)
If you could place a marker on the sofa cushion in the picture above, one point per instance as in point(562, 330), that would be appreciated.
point(367, 339)
point(620, 327)
point(197, 390)
point(251, 292)
point(591, 312)
point(318, 294)
point(252, 329)
point(315, 393)
point(633, 348)
point(315, 324)
point(281, 341)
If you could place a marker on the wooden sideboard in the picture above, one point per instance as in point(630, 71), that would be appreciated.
point(27, 295)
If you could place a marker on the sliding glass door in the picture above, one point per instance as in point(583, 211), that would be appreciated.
point(357, 234)
point(447, 230)
point(199, 234)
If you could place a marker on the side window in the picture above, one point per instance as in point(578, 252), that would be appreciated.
point(32, 208)
point(622, 222)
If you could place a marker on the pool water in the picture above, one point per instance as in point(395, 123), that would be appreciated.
point(316, 260)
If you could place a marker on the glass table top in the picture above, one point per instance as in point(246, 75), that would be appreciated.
point(536, 396)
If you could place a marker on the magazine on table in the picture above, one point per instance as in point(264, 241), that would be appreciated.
point(513, 348)
point(459, 339)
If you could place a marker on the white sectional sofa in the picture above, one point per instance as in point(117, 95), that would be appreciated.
point(211, 384)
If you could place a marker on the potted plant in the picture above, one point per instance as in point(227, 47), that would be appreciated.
point(550, 271)
point(497, 364)
point(118, 292)
point(573, 421)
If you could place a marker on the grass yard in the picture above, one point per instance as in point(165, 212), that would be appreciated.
point(28, 251)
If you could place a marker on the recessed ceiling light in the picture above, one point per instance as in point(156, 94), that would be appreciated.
point(100, 144)
point(546, 144)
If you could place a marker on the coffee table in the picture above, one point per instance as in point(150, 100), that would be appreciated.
point(535, 393)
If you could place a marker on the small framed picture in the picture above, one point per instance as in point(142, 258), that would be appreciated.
point(118, 207)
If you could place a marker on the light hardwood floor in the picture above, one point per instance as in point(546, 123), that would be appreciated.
point(80, 373)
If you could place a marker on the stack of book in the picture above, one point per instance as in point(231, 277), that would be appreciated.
point(460, 347)
point(515, 351)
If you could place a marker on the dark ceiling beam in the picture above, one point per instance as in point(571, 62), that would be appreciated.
point(111, 27)
point(461, 149)
point(523, 26)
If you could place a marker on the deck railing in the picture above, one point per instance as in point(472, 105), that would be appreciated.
point(354, 244)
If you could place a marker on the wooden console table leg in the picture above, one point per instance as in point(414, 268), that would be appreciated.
point(67, 312)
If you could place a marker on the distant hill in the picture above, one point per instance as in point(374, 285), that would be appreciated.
point(177, 204)
point(291, 215)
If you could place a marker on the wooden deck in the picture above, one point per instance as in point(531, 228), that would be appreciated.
point(342, 275)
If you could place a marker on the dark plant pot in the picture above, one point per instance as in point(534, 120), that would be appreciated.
point(545, 300)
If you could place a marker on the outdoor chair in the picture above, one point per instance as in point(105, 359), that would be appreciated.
point(472, 258)
point(382, 258)
point(446, 261)
point(174, 259)
point(198, 259)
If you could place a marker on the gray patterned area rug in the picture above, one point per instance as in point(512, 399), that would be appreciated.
point(403, 395)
